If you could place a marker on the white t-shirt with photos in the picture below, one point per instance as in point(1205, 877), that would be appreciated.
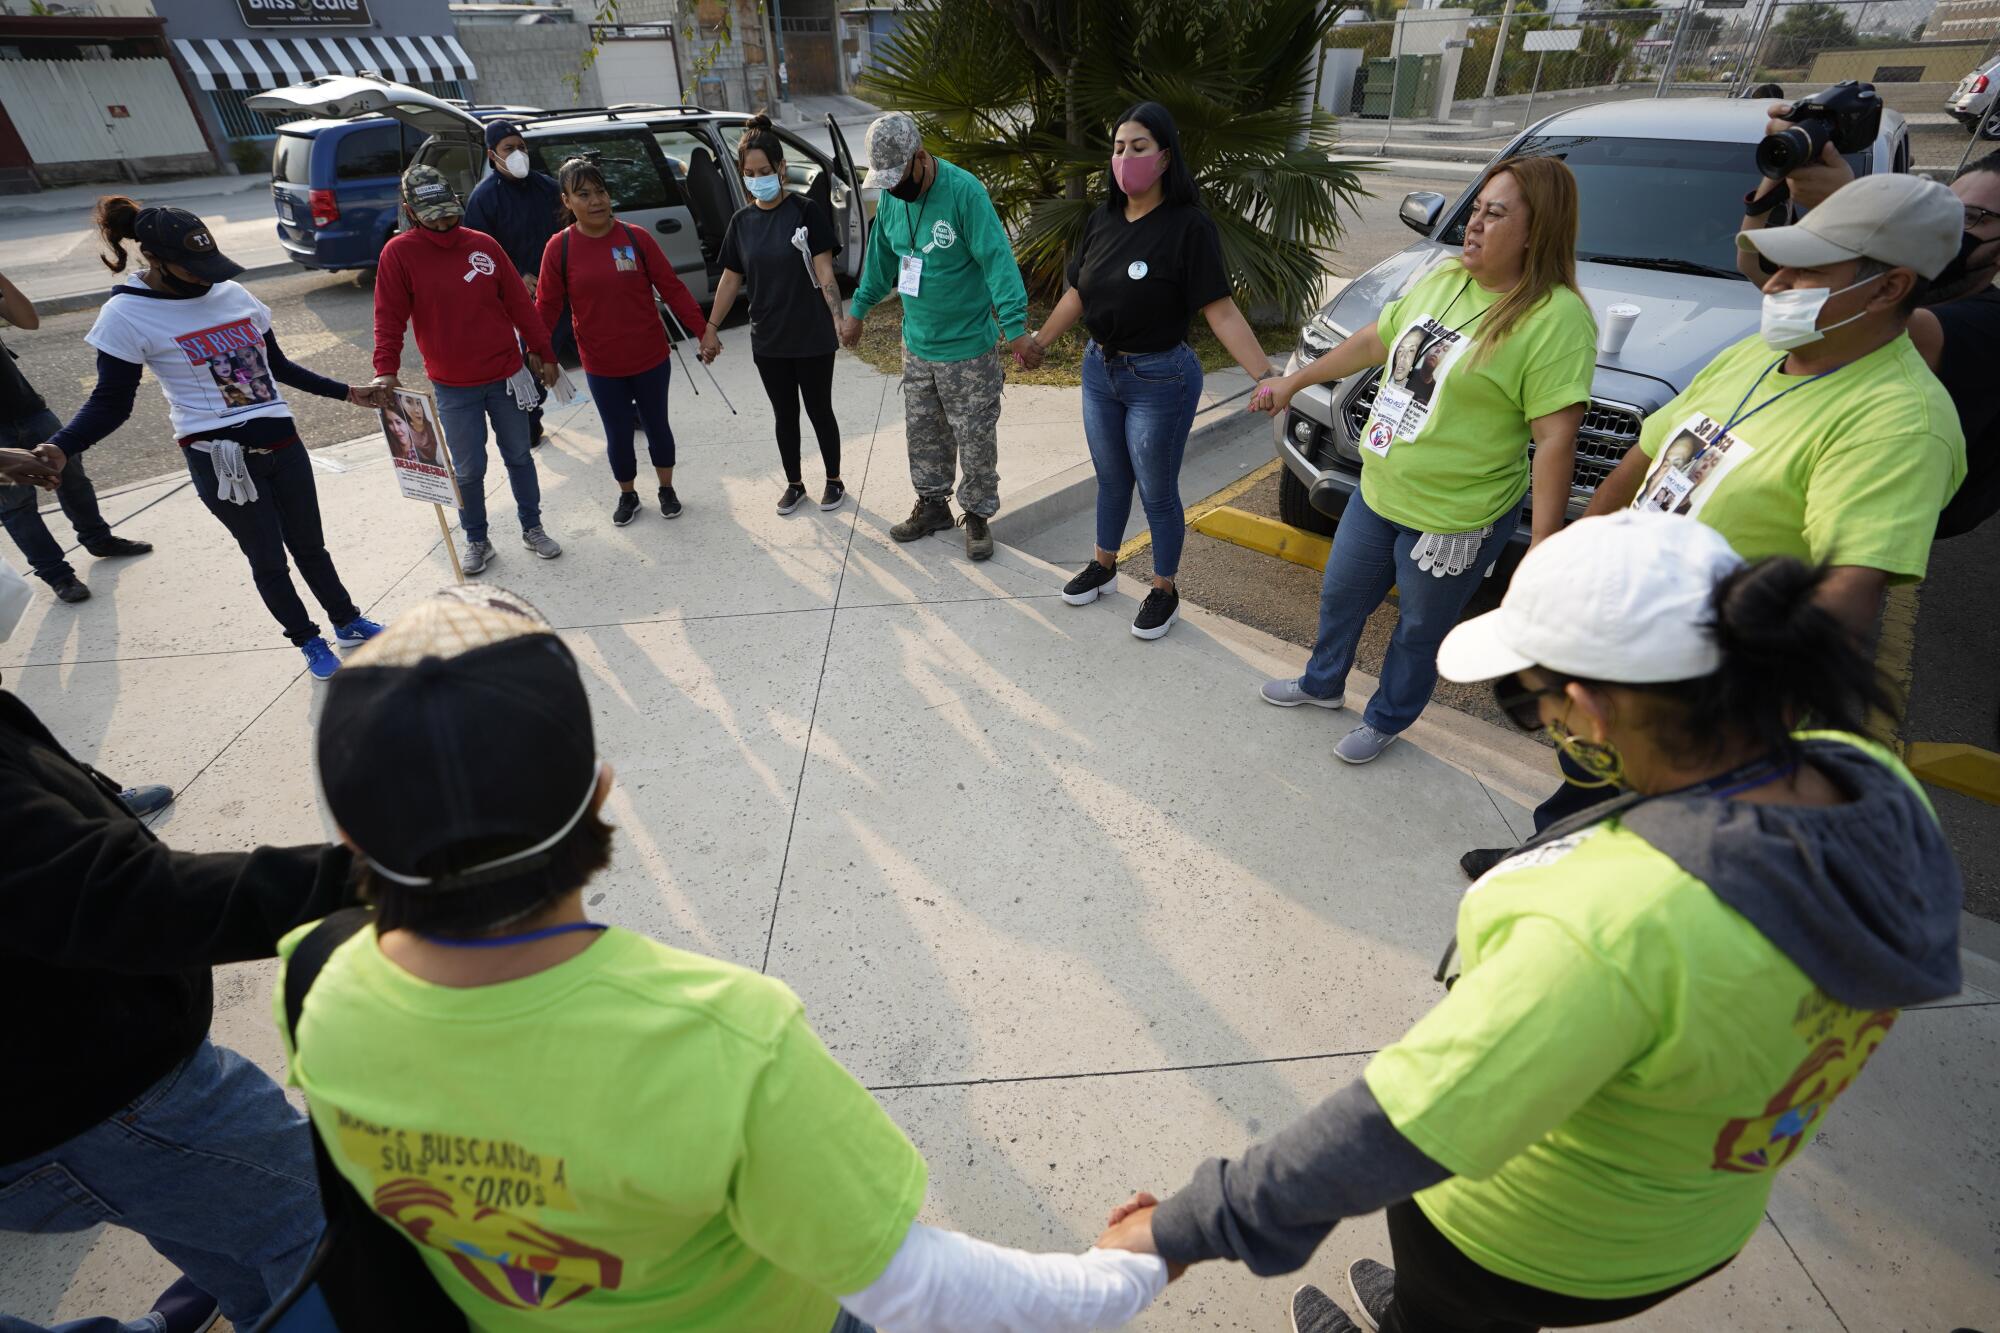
point(207, 351)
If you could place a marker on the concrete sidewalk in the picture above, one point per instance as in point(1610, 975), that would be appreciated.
point(1080, 908)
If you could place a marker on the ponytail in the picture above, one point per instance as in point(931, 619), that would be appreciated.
point(114, 218)
point(1786, 663)
point(758, 136)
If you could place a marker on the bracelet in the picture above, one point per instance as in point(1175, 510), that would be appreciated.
point(1754, 207)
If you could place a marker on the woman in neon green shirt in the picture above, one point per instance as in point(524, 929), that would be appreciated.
point(1661, 997)
point(1484, 354)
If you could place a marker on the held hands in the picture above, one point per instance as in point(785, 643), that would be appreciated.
point(544, 371)
point(1130, 1227)
point(1273, 396)
point(1810, 185)
point(371, 395)
point(1028, 352)
point(40, 466)
point(711, 345)
point(849, 331)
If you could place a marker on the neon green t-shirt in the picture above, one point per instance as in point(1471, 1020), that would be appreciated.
point(1446, 446)
point(635, 1138)
point(1849, 469)
point(1620, 1070)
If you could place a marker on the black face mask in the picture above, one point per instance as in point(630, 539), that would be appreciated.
point(1954, 273)
point(908, 188)
point(180, 286)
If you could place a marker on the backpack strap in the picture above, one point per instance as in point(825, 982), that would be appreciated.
point(310, 957)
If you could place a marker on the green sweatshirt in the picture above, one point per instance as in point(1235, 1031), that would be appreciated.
point(969, 280)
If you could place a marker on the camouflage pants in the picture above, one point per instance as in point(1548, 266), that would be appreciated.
point(951, 416)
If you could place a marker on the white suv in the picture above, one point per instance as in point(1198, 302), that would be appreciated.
point(1973, 98)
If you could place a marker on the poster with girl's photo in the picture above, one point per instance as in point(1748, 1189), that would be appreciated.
point(417, 449)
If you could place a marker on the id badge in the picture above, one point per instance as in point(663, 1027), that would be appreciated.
point(1391, 405)
point(910, 276)
point(1378, 437)
point(1676, 484)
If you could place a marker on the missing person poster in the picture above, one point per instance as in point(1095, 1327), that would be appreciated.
point(417, 448)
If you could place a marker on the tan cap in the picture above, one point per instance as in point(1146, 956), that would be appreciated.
point(1895, 219)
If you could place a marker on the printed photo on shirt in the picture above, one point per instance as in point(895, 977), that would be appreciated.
point(625, 258)
point(1694, 460)
point(233, 356)
point(1418, 365)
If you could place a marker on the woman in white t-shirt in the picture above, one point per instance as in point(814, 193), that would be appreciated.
point(209, 342)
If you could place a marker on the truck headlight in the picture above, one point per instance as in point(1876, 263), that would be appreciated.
point(1316, 340)
point(1303, 431)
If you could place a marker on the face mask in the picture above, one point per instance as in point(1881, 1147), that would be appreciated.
point(1954, 273)
point(516, 165)
point(15, 594)
point(907, 189)
point(1135, 175)
point(180, 286)
point(765, 187)
point(1791, 319)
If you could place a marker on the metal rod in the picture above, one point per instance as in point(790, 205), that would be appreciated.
point(1528, 120)
point(1395, 81)
point(1978, 134)
point(1673, 50)
point(704, 365)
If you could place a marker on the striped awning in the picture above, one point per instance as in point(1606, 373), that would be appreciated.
point(251, 63)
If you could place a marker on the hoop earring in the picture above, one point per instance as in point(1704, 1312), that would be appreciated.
point(1603, 762)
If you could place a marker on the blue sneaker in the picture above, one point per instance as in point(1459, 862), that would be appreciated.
point(358, 630)
point(319, 658)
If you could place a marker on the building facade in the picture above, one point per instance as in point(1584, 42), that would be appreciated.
point(1964, 20)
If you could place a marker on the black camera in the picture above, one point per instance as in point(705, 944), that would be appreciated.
point(1849, 114)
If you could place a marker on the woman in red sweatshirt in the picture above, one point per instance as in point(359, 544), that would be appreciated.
point(607, 272)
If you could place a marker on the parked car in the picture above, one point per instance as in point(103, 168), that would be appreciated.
point(333, 184)
point(1973, 98)
point(670, 168)
point(1660, 185)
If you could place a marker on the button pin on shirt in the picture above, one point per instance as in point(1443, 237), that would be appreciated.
point(1136, 269)
point(482, 265)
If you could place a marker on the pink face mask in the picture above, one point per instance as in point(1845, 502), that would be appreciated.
point(1135, 175)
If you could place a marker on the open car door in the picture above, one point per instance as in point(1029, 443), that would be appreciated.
point(850, 212)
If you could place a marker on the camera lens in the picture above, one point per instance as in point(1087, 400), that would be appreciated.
point(1778, 155)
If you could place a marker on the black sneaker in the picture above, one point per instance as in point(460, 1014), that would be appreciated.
point(670, 504)
point(1083, 589)
point(1313, 1311)
point(628, 508)
point(833, 497)
point(186, 1308)
point(1479, 860)
point(1373, 1287)
point(116, 546)
point(69, 588)
point(1157, 614)
point(794, 496)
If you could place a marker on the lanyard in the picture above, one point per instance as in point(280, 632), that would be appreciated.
point(1433, 339)
point(1739, 416)
point(1748, 777)
point(917, 227)
point(526, 937)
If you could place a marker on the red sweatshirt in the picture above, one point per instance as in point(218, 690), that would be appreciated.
point(610, 286)
point(467, 299)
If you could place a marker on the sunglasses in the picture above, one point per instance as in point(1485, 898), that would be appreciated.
point(1519, 703)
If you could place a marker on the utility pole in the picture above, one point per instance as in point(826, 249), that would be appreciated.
point(1499, 51)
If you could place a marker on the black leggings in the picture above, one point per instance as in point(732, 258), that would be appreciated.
point(787, 379)
point(1440, 1290)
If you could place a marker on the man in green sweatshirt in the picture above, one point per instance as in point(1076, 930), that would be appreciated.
point(938, 244)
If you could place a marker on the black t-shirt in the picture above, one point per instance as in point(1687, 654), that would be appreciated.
point(1141, 281)
point(18, 399)
point(1966, 368)
point(788, 315)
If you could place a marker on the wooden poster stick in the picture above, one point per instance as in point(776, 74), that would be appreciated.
point(450, 549)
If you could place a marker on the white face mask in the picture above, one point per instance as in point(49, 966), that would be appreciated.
point(1791, 319)
point(15, 594)
point(516, 165)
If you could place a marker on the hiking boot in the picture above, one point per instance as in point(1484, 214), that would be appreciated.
point(540, 543)
point(109, 547)
point(1083, 589)
point(978, 536)
point(1362, 745)
point(477, 556)
point(926, 517)
point(670, 504)
point(1313, 1311)
point(69, 588)
point(1157, 614)
point(628, 508)
point(1373, 1287)
point(833, 497)
point(1292, 693)
point(794, 496)
point(1479, 860)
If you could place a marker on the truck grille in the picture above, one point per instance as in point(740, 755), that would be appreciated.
point(1606, 434)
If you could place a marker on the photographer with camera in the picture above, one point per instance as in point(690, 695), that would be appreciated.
point(1960, 317)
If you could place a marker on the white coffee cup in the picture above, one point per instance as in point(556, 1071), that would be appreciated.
point(1616, 328)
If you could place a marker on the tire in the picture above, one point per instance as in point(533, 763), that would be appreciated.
point(1295, 506)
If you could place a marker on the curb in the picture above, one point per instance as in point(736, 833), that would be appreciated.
point(14, 212)
point(64, 305)
point(1267, 536)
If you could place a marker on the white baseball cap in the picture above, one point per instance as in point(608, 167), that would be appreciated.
point(1623, 598)
point(1894, 218)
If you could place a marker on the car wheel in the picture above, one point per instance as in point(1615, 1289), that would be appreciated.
point(1295, 505)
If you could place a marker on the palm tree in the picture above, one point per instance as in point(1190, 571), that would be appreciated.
point(1024, 93)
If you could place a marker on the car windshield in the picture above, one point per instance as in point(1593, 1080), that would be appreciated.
point(1676, 201)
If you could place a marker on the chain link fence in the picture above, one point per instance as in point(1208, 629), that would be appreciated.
point(1474, 78)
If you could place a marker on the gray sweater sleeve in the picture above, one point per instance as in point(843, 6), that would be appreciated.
point(1271, 1209)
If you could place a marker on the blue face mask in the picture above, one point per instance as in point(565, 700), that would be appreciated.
point(762, 188)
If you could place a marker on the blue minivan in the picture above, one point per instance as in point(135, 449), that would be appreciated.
point(334, 185)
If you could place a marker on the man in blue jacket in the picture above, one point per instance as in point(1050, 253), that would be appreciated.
point(518, 207)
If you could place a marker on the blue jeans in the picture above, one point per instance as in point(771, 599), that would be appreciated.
point(1136, 414)
point(842, 1323)
point(211, 1165)
point(623, 403)
point(20, 505)
point(464, 412)
point(1371, 555)
point(284, 516)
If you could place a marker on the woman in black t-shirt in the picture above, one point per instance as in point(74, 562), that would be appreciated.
point(1149, 259)
point(784, 244)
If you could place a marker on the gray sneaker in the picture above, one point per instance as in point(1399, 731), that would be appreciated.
point(1313, 1311)
point(540, 543)
point(1290, 694)
point(476, 557)
point(1373, 1287)
point(1362, 744)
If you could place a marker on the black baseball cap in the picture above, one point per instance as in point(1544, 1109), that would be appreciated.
point(496, 130)
point(462, 725)
point(179, 237)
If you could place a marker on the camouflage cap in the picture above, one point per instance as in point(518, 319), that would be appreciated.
point(892, 141)
point(430, 196)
